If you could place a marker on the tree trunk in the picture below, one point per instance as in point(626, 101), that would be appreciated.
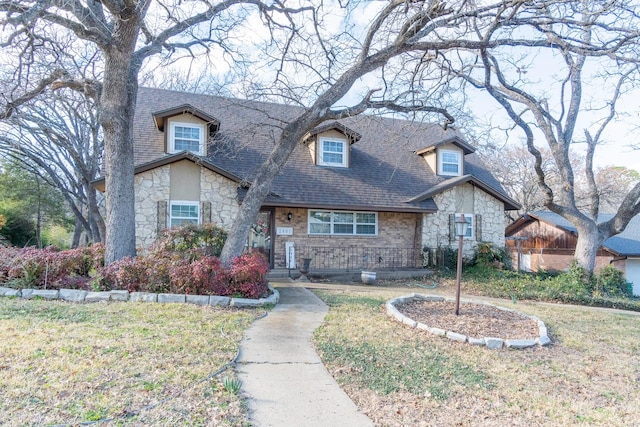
point(589, 241)
point(261, 185)
point(77, 232)
point(117, 104)
point(96, 222)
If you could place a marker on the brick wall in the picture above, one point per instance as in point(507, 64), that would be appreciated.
point(395, 231)
point(561, 262)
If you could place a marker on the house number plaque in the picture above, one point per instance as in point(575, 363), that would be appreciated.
point(284, 231)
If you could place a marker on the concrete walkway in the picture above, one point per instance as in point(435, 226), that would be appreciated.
point(282, 376)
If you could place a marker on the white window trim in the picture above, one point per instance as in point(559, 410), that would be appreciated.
point(355, 223)
point(320, 154)
point(441, 170)
point(182, 203)
point(471, 220)
point(172, 145)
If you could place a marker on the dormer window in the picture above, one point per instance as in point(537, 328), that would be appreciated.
point(329, 144)
point(449, 162)
point(186, 137)
point(332, 152)
point(186, 128)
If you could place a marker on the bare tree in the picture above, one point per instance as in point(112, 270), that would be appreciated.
point(60, 135)
point(614, 183)
point(125, 33)
point(406, 48)
point(514, 167)
point(594, 44)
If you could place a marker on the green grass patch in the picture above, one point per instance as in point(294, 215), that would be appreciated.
point(37, 312)
point(337, 300)
point(403, 376)
point(358, 341)
point(63, 363)
point(417, 369)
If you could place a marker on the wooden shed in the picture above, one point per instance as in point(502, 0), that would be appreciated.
point(546, 241)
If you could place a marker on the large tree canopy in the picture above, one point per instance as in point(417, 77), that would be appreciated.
point(566, 96)
point(40, 37)
point(335, 59)
point(421, 54)
point(59, 134)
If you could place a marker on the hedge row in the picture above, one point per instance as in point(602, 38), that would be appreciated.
point(183, 261)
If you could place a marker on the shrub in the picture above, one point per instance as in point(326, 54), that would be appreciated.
point(206, 238)
point(50, 267)
point(248, 275)
point(180, 262)
point(610, 282)
point(188, 272)
point(486, 255)
point(202, 276)
point(448, 259)
point(126, 273)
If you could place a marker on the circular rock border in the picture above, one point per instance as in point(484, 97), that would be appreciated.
point(492, 343)
point(75, 295)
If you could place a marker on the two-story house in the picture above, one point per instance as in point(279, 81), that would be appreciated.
point(366, 191)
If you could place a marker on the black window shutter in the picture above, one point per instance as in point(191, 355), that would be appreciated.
point(205, 212)
point(478, 227)
point(162, 216)
point(452, 227)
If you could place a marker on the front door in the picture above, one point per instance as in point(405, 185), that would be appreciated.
point(260, 234)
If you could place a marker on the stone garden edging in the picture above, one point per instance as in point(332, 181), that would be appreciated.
point(491, 342)
point(75, 295)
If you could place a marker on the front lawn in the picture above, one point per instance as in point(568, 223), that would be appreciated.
point(134, 363)
point(400, 376)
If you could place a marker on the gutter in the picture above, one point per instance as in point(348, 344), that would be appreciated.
point(618, 259)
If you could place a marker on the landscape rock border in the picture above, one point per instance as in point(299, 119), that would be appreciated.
point(492, 343)
point(81, 296)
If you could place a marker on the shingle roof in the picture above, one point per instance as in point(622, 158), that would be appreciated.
point(626, 243)
point(384, 173)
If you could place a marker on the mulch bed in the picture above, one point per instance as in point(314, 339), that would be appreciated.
point(474, 320)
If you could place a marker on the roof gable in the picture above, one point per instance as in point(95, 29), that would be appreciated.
point(455, 140)
point(349, 133)
point(509, 203)
point(160, 117)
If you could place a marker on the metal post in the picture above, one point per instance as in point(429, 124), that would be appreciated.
point(460, 229)
point(459, 275)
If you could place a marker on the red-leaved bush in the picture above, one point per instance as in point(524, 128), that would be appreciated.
point(181, 262)
point(49, 268)
point(248, 275)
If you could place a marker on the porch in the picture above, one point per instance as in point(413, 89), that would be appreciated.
point(347, 262)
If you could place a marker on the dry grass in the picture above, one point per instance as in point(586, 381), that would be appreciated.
point(137, 364)
point(590, 375)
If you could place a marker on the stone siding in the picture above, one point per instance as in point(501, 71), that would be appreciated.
point(468, 199)
point(223, 195)
point(154, 186)
point(150, 188)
